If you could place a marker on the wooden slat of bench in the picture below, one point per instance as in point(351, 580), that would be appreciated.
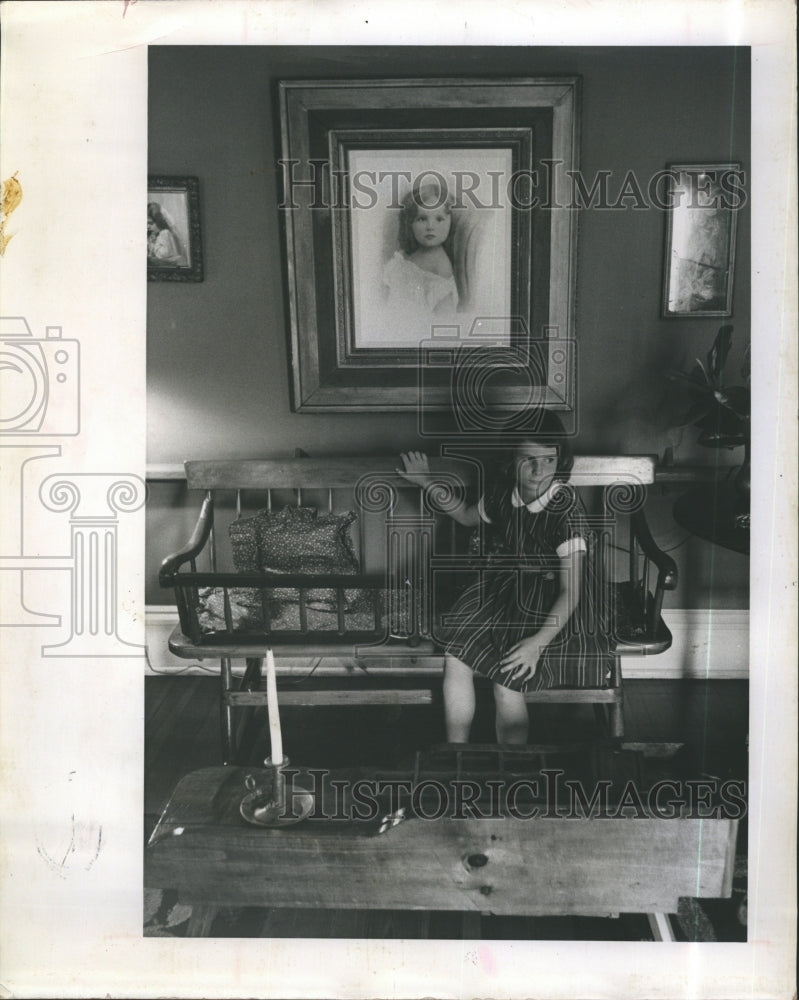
point(587, 696)
point(605, 470)
point(345, 472)
point(406, 661)
point(181, 645)
point(289, 473)
point(319, 696)
point(417, 696)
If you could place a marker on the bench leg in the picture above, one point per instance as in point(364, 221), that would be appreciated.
point(252, 675)
point(244, 734)
point(617, 719)
point(601, 716)
point(616, 708)
point(234, 737)
point(226, 712)
point(610, 718)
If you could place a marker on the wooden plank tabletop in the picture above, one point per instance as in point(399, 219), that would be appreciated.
point(503, 865)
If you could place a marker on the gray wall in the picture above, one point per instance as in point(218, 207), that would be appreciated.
point(218, 368)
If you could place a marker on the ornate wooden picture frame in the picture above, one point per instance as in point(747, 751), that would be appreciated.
point(174, 242)
point(383, 314)
point(701, 221)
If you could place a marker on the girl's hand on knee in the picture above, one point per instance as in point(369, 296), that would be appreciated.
point(416, 468)
point(521, 661)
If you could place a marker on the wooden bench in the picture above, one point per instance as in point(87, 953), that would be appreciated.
point(402, 541)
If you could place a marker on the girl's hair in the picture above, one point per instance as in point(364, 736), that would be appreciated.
point(541, 426)
point(155, 215)
point(427, 197)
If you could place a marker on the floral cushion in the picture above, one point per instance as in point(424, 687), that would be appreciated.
point(292, 540)
point(363, 610)
point(247, 611)
point(298, 540)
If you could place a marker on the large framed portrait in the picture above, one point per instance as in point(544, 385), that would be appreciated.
point(428, 233)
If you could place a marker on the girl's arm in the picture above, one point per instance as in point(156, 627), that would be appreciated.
point(165, 247)
point(416, 469)
point(521, 661)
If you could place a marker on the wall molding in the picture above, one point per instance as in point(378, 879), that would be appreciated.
point(708, 645)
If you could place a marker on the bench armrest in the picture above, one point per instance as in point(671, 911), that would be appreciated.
point(202, 531)
point(667, 568)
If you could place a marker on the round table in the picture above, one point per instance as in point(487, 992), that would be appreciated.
point(718, 513)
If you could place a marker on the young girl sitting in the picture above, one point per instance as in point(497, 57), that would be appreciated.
point(531, 622)
point(420, 281)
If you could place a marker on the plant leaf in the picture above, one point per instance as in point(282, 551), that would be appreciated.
point(694, 414)
point(722, 420)
point(746, 367)
point(702, 369)
point(721, 439)
point(691, 381)
point(736, 398)
point(717, 355)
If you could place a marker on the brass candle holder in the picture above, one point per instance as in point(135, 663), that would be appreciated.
point(266, 804)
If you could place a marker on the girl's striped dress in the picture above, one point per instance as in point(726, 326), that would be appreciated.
point(519, 580)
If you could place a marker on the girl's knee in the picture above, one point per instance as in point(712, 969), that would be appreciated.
point(508, 696)
point(457, 669)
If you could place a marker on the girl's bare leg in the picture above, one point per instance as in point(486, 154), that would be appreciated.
point(511, 715)
point(459, 699)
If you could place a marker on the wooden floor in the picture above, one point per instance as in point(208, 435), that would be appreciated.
point(182, 728)
point(182, 734)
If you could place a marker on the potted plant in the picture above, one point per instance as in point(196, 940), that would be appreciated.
point(720, 411)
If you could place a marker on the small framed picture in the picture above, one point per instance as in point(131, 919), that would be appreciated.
point(699, 261)
point(174, 244)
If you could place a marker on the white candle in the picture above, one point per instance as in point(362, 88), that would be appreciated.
point(274, 716)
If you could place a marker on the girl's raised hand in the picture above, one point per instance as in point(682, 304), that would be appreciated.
point(416, 468)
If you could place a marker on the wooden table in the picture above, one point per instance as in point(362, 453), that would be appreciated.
point(715, 513)
point(499, 865)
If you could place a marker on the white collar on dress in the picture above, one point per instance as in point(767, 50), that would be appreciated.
point(540, 502)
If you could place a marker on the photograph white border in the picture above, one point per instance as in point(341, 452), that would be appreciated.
point(74, 118)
